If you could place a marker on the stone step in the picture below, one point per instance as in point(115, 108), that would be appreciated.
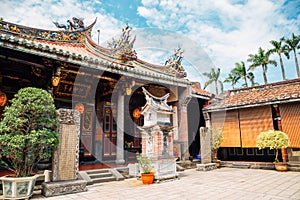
point(97, 171)
point(100, 175)
point(104, 179)
point(241, 165)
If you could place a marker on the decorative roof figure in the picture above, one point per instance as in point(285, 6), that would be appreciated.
point(174, 63)
point(123, 47)
point(76, 25)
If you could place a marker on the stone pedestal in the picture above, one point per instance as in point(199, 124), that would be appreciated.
point(165, 168)
point(63, 187)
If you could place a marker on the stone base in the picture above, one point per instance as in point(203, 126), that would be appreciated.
point(206, 167)
point(63, 187)
point(120, 162)
point(165, 168)
point(134, 169)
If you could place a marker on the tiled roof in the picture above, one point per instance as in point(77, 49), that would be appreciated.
point(272, 93)
point(203, 93)
point(82, 50)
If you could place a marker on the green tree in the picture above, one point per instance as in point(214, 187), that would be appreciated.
point(251, 79)
point(231, 79)
point(261, 59)
point(293, 44)
point(279, 48)
point(28, 131)
point(213, 77)
point(240, 72)
point(272, 139)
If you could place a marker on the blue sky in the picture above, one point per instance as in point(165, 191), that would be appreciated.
point(211, 33)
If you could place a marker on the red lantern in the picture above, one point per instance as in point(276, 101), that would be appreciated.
point(3, 99)
point(79, 107)
point(136, 113)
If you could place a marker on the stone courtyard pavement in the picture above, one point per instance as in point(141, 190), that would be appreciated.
point(223, 183)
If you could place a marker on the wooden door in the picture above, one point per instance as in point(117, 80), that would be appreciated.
point(110, 135)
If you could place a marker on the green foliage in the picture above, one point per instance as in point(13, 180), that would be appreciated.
point(216, 138)
point(261, 59)
point(213, 76)
point(144, 163)
point(272, 139)
point(28, 131)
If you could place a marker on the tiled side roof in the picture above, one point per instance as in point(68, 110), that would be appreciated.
point(279, 92)
point(203, 93)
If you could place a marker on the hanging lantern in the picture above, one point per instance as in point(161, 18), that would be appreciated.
point(56, 77)
point(136, 113)
point(3, 99)
point(79, 107)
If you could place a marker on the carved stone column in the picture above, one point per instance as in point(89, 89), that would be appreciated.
point(120, 130)
point(205, 137)
point(184, 99)
point(66, 157)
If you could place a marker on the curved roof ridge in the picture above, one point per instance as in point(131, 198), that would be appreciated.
point(75, 36)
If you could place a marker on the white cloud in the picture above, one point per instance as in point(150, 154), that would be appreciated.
point(227, 31)
point(41, 14)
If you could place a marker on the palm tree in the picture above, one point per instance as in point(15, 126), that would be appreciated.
point(292, 44)
point(279, 48)
point(213, 77)
point(231, 79)
point(261, 59)
point(251, 77)
point(240, 72)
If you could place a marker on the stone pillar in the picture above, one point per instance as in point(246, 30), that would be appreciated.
point(206, 164)
point(205, 138)
point(207, 119)
point(120, 130)
point(175, 123)
point(66, 156)
point(171, 145)
point(184, 99)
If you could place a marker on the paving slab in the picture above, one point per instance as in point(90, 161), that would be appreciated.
point(223, 183)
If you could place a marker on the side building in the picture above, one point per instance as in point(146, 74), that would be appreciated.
point(244, 113)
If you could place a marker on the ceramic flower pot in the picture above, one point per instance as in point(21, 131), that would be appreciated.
point(281, 166)
point(18, 188)
point(147, 178)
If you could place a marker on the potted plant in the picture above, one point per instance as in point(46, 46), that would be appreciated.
point(146, 168)
point(28, 133)
point(216, 140)
point(274, 139)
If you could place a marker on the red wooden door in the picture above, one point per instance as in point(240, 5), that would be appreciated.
point(110, 134)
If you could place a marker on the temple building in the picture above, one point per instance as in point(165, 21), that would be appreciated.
point(244, 113)
point(103, 83)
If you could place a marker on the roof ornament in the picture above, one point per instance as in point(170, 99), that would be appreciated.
point(174, 63)
point(123, 47)
point(75, 25)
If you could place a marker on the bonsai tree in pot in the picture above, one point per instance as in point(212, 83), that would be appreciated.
point(146, 168)
point(273, 139)
point(28, 132)
point(216, 140)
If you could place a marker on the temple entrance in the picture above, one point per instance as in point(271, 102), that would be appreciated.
point(110, 134)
